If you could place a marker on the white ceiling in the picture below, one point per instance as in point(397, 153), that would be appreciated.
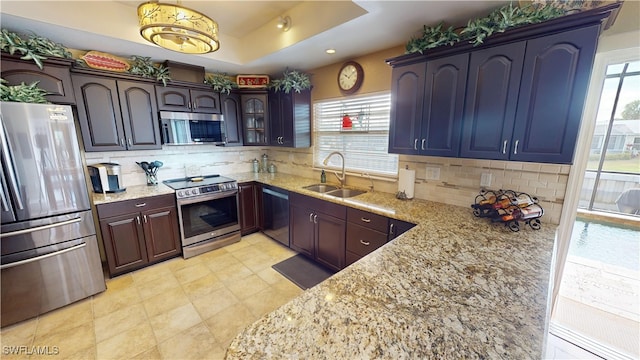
point(250, 41)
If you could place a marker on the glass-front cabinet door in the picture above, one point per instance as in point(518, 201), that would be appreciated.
point(254, 119)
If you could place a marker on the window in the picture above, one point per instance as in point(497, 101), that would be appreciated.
point(613, 171)
point(365, 145)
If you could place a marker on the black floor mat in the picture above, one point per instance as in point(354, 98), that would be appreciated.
point(302, 271)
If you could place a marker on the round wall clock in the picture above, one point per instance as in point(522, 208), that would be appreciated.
point(350, 77)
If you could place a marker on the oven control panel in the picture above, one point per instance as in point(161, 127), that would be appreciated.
point(208, 189)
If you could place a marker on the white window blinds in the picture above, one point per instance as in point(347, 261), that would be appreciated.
point(365, 145)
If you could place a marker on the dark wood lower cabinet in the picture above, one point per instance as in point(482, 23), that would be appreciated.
point(318, 229)
point(139, 232)
point(250, 205)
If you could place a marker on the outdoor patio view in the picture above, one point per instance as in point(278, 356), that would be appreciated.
point(599, 307)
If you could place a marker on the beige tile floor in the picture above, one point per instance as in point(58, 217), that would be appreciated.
point(177, 309)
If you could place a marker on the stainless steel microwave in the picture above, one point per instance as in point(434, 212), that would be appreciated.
point(179, 128)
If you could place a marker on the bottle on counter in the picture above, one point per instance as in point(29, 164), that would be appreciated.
point(256, 166)
point(323, 177)
point(265, 163)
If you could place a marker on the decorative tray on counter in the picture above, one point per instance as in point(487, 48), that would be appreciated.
point(508, 207)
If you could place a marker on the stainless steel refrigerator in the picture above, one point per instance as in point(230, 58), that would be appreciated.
point(49, 251)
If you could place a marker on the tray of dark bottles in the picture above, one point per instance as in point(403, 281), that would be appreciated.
point(508, 207)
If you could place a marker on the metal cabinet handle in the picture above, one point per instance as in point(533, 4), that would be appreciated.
point(40, 228)
point(122, 142)
point(315, 219)
point(138, 219)
point(130, 142)
point(141, 205)
point(365, 243)
point(12, 179)
point(365, 220)
point(515, 149)
point(423, 142)
point(415, 144)
point(391, 229)
point(5, 203)
point(145, 218)
point(45, 256)
point(504, 147)
point(310, 217)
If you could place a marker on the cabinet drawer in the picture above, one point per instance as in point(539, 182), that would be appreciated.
point(361, 240)
point(135, 205)
point(367, 219)
point(319, 205)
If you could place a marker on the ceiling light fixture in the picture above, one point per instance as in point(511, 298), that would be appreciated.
point(284, 23)
point(178, 28)
point(330, 51)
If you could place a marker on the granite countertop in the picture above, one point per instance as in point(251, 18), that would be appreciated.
point(132, 192)
point(454, 286)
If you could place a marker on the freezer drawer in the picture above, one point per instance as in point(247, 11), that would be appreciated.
point(34, 286)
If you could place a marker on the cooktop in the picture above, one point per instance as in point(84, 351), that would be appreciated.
point(196, 182)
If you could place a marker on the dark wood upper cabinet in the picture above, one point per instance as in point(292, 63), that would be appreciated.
point(522, 98)
point(54, 77)
point(407, 96)
point(115, 114)
point(290, 119)
point(443, 105)
point(255, 118)
point(232, 115)
point(553, 89)
point(174, 98)
point(139, 115)
point(491, 100)
point(428, 100)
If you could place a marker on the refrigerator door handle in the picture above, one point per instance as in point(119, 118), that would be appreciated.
point(11, 175)
point(42, 257)
point(40, 228)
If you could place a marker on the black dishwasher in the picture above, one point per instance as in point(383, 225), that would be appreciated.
point(275, 202)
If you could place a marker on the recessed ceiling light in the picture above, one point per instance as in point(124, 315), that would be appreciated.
point(330, 51)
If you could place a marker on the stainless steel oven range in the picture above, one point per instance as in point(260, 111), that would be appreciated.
point(208, 213)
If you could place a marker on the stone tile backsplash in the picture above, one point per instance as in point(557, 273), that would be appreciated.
point(458, 184)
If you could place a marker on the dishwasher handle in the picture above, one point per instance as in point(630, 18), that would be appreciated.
point(275, 193)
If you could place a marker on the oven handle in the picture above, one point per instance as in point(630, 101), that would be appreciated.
point(201, 198)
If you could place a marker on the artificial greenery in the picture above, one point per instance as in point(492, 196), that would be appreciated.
point(35, 48)
point(478, 30)
point(22, 93)
point(221, 83)
point(142, 65)
point(291, 80)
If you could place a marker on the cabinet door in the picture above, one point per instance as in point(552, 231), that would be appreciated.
point(172, 98)
point(302, 229)
point(99, 113)
point(296, 120)
point(124, 243)
point(330, 241)
point(248, 198)
point(139, 115)
point(205, 101)
point(398, 227)
point(491, 99)
point(254, 119)
point(407, 97)
point(161, 233)
point(552, 93)
point(275, 117)
point(443, 106)
point(231, 111)
point(55, 80)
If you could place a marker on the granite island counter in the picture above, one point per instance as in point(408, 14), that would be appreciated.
point(454, 286)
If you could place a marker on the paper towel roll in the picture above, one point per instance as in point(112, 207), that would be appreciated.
point(406, 182)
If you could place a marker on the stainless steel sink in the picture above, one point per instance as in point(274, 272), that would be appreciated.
point(321, 188)
point(345, 193)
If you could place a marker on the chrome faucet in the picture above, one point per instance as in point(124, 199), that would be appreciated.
point(370, 179)
point(341, 178)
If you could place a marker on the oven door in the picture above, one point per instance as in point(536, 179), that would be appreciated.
point(208, 216)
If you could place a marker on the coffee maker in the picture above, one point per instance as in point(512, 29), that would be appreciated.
point(105, 178)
